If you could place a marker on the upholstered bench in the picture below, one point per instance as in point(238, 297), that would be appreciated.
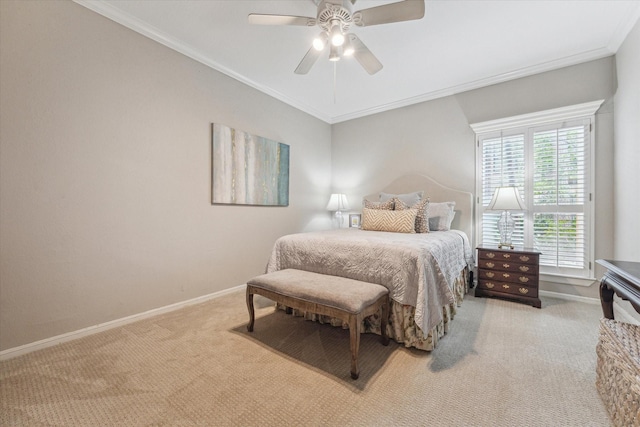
point(618, 371)
point(346, 299)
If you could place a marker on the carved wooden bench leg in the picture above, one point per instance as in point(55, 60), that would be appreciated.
point(252, 315)
point(354, 340)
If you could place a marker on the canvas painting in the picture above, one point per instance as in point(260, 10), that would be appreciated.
point(248, 169)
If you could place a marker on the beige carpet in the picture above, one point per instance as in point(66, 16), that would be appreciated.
point(502, 364)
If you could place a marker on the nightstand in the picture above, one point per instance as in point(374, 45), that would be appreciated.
point(509, 273)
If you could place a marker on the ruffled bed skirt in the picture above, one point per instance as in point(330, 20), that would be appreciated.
point(402, 327)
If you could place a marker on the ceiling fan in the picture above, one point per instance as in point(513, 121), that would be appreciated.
point(335, 17)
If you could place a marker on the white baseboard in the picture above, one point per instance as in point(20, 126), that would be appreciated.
point(620, 312)
point(587, 300)
point(59, 339)
point(69, 336)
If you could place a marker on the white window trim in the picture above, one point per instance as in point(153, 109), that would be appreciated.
point(587, 109)
point(539, 118)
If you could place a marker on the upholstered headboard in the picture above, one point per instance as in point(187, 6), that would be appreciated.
point(436, 192)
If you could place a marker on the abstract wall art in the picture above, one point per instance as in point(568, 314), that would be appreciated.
point(248, 169)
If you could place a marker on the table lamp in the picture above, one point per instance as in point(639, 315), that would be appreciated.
point(506, 199)
point(338, 203)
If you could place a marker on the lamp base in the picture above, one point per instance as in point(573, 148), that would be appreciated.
point(506, 245)
point(506, 225)
point(338, 218)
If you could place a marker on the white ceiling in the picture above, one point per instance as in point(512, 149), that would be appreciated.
point(457, 46)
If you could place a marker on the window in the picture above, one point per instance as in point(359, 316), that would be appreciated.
point(548, 157)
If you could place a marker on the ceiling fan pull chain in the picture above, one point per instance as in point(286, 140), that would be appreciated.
point(335, 72)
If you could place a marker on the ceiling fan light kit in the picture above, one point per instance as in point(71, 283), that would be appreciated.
point(347, 47)
point(320, 42)
point(337, 38)
point(334, 53)
point(335, 17)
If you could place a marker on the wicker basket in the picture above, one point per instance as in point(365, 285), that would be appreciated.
point(618, 371)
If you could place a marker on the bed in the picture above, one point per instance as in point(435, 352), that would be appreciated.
point(426, 273)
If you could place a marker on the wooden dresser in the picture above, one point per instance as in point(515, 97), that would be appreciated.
point(509, 273)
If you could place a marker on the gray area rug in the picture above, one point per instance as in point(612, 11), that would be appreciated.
point(502, 364)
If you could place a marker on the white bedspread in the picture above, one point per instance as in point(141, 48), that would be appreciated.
point(418, 269)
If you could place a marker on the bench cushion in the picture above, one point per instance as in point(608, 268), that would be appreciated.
point(345, 294)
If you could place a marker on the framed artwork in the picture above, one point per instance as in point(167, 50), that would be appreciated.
point(354, 220)
point(248, 169)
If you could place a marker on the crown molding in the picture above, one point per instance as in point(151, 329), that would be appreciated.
point(477, 84)
point(141, 27)
point(625, 27)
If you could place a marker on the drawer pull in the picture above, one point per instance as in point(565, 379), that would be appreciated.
point(524, 268)
point(524, 290)
point(490, 265)
point(491, 255)
point(505, 265)
point(489, 285)
point(506, 255)
point(524, 258)
point(505, 286)
point(506, 275)
point(524, 279)
point(490, 274)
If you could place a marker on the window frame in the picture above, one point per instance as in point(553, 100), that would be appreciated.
point(531, 123)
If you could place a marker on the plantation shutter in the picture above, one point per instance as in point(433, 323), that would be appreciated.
point(560, 195)
point(503, 164)
point(550, 164)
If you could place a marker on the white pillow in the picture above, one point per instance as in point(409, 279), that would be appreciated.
point(441, 215)
point(408, 199)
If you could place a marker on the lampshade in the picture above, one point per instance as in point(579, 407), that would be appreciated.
point(506, 199)
point(338, 202)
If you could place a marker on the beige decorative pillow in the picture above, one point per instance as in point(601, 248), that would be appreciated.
point(387, 206)
point(385, 220)
point(422, 221)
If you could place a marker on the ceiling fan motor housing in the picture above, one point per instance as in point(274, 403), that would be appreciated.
point(335, 12)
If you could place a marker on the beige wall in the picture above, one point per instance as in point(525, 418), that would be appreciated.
point(627, 150)
point(626, 170)
point(105, 173)
point(434, 138)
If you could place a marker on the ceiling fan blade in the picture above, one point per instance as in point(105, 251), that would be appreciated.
point(406, 10)
point(260, 19)
point(307, 62)
point(364, 56)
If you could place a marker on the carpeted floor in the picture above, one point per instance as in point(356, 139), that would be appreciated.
point(502, 364)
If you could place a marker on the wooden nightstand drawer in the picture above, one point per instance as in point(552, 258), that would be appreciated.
point(501, 265)
point(515, 277)
point(492, 255)
point(508, 288)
